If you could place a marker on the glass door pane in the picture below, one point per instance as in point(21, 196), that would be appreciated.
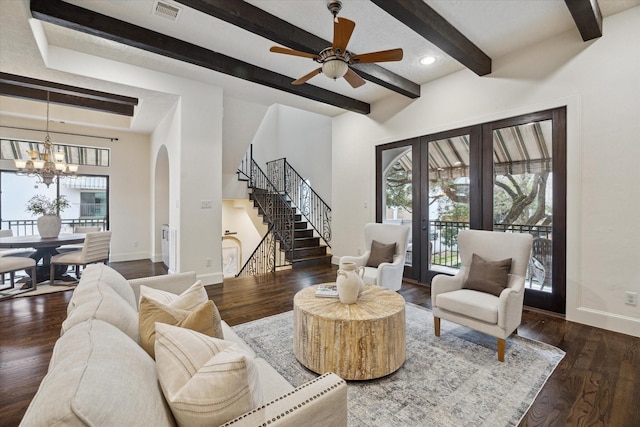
point(397, 191)
point(448, 201)
point(523, 192)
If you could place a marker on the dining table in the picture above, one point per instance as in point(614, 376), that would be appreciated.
point(45, 248)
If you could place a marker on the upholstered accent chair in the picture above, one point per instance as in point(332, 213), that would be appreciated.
point(387, 274)
point(95, 249)
point(499, 313)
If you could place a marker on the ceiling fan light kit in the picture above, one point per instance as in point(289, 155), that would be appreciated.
point(335, 59)
point(335, 68)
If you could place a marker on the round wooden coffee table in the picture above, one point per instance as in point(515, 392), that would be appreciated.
point(358, 341)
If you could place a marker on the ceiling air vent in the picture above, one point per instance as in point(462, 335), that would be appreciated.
point(166, 10)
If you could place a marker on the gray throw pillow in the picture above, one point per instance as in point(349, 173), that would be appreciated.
point(488, 276)
point(380, 253)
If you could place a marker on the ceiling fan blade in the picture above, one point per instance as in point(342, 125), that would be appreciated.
point(306, 77)
point(342, 30)
point(380, 56)
point(278, 49)
point(353, 79)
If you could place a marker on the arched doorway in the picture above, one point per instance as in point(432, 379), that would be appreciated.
point(161, 206)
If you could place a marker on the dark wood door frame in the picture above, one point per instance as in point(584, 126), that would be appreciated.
point(425, 274)
point(556, 301)
point(409, 271)
point(481, 195)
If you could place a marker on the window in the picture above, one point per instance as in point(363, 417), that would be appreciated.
point(88, 197)
point(11, 149)
point(93, 205)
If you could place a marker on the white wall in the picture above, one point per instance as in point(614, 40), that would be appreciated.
point(201, 181)
point(239, 216)
point(303, 138)
point(265, 140)
point(240, 124)
point(128, 179)
point(192, 134)
point(599, 82)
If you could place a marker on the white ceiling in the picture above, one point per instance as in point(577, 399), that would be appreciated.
point(497, 27)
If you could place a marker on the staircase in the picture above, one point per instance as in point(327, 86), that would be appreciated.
point(308, 250)
point(299, 232)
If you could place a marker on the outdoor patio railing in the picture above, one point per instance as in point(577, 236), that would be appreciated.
point(443, 246)
point(25, 227)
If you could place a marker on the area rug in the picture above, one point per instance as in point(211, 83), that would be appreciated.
point(42, 289)
point(454, 380)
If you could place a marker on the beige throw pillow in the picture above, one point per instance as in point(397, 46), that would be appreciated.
point(380, 253)
point(488, 276)
point(201, 319)
point(187, 300)
point(206, 381)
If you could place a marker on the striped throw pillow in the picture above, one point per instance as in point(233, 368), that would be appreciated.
point(205, 380)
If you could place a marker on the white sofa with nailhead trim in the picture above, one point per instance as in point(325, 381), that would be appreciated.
point(100, 376)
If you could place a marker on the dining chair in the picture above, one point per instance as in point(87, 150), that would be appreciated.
point(78, 229)
point(13, 252)
point(11, 264)
point(95, 249)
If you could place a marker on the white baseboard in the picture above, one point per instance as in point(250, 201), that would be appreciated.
point(609, 321)
point(130, 256)
point(211, 278)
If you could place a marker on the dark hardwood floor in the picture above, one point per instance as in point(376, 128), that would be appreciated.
point(596, 384)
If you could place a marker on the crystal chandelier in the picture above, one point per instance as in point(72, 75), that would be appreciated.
point(46, 164)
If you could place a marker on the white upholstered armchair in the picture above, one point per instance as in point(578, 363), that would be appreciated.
point(386, 274)
point(497, 315)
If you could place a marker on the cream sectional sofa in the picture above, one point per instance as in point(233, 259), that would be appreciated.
point(100, 376)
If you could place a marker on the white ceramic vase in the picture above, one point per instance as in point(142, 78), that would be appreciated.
point(49, 226)
point(349, 282)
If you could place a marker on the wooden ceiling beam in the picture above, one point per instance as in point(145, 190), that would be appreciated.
point(257, 21)
point(587, 16)
point(76, 18)
point(34, 89)
point(422, 19)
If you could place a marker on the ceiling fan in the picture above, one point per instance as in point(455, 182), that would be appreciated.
point(336, 59)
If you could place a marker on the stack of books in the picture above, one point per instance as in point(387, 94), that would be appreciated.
point(327, 291)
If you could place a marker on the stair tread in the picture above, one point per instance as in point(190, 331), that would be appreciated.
point(312, 257)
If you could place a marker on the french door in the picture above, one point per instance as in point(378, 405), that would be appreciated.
point(524, 191)
point(507, 176)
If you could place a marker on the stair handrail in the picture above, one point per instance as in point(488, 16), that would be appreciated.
point(316, 211)
point(264, 258)
point(277, 212)
point(244, 170)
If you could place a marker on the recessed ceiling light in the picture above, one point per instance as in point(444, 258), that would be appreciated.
point(428, 60)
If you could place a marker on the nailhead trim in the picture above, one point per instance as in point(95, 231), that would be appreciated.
point(291, 410)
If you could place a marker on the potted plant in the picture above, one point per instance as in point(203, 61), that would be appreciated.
point(49, 222)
